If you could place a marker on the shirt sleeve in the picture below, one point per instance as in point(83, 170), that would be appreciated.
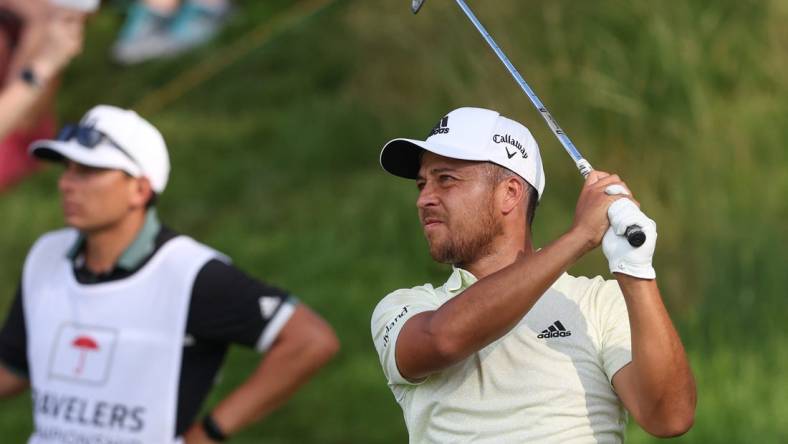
point(616, 339)
point(13, 338)
point(228, 306)
point(391, 313)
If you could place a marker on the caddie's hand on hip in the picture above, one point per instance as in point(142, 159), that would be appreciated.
point(591, 218)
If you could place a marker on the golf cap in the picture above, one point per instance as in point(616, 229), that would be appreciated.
point(474, 134)
point(129, 144)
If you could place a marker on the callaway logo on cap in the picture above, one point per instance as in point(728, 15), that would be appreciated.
point(474, 134)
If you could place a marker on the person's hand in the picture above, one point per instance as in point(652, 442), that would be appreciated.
point(622, 257)
point(599, 191)
point(62, 42)
point(196, 435)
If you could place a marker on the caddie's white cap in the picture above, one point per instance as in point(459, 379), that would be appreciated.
point(140, 150)
point(77, 5)
point(475, 134)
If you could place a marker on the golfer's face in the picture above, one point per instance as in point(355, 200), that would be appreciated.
point(455, 207)
point(94, 198)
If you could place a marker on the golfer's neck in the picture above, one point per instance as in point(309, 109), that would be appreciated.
point(501, 254)
point(103, 247)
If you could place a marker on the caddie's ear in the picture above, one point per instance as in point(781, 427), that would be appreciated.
point(511, 194)
point(141, 192)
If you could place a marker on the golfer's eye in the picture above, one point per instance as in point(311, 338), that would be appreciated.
point(420, 184)
point(445, 178)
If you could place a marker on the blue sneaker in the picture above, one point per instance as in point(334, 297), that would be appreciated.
point(194, 25)
point(137, 39)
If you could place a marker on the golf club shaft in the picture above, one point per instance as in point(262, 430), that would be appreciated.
point(634, 234)
point(582, 164)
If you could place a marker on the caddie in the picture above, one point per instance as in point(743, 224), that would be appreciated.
point(120, 324)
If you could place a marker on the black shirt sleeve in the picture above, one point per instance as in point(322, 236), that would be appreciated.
point(228, 306)
point(13, 338)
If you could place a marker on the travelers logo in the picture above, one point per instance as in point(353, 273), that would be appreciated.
point(84, 344)
point(441, 127)
point(82, 353)
point(507, 139)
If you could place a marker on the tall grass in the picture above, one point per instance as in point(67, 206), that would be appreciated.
point(275, 163)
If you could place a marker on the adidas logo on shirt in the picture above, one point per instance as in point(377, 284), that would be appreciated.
point(557, 330)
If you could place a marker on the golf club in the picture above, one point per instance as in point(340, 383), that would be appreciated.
point(634, 234)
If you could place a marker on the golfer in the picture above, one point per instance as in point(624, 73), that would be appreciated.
point(120, 324)
point(511, 349)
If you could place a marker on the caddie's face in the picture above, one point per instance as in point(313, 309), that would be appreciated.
point(456, 209)
point(96, 198)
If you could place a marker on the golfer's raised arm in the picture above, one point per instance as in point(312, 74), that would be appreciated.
point(657, 387)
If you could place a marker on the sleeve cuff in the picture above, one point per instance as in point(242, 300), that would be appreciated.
point(395, 377)
point(275, 325)
point(616, 365)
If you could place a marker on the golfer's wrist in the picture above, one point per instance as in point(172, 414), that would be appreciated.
point(584, 240)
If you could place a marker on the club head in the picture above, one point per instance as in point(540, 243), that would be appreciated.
point(415, 5)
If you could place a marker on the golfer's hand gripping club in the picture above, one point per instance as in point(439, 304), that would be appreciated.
point(622, 257)
point(634, 234)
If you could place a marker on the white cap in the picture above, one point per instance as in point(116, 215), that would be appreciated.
point(77, 5)
point(142, 152)
point(475, 134)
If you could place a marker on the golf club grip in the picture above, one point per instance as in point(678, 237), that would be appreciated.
point(635, 235)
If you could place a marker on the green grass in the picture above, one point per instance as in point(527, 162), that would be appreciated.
point(275, 163)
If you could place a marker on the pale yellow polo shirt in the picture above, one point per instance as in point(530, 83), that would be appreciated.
point(546, 381)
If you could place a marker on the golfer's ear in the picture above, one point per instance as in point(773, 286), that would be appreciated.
point(512, 194)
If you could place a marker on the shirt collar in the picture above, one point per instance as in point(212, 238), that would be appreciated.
point(142, 246)
point(459, 280)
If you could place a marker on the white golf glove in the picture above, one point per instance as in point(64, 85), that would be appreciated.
point(622, 257)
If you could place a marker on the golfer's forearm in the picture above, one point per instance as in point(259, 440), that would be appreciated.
point(666, 393)
point(491, 307)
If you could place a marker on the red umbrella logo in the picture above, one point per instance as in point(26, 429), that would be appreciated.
point(84, 344)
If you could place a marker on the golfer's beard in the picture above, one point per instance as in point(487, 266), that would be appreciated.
point(469, 244)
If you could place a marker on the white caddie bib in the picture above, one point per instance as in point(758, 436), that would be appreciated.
point(105, 359)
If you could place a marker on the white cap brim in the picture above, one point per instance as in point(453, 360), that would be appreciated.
point(402, 157)
point(101, 156)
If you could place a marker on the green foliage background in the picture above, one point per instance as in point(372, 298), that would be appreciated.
point(275, 163)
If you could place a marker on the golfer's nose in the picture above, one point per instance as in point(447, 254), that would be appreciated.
point(427, 196)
